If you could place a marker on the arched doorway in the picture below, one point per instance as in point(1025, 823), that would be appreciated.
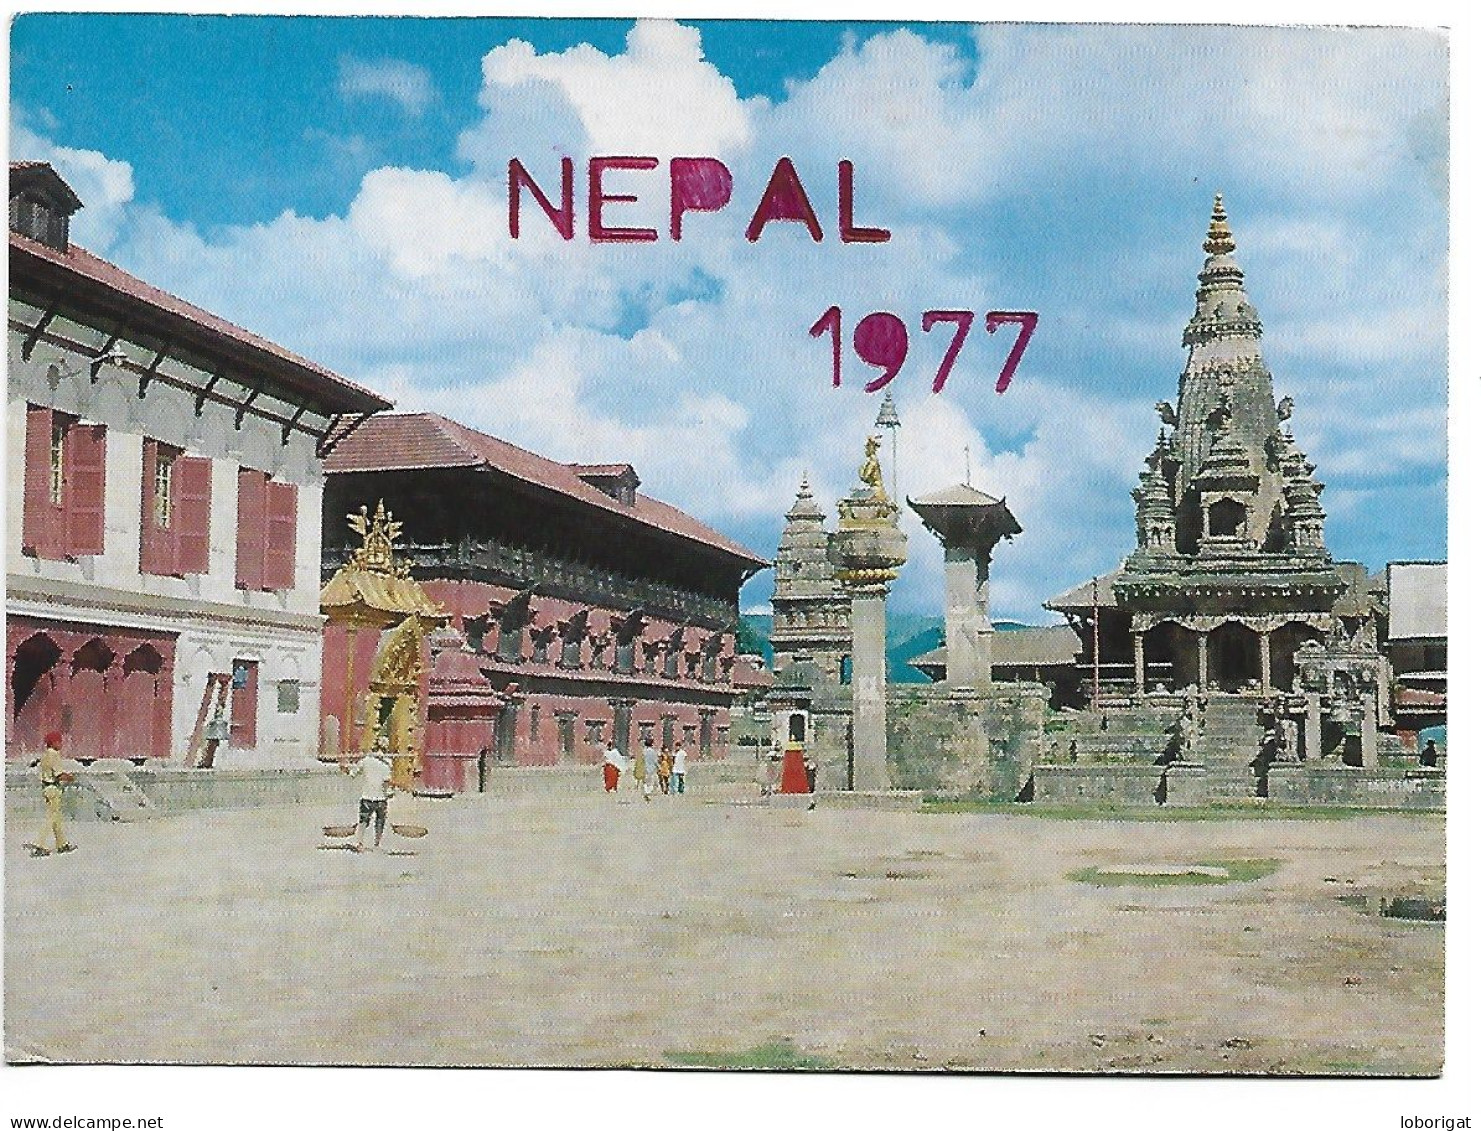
point(1171, 657)
point(1233, 657)
point(35, 701)
point(91, 733)
point(1284, 642)
point(142, 721)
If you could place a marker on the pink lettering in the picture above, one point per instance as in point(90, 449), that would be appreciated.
point(696, 184)
point(846, 229)
point(596, 198)
point(564, 217)
point(784, 199)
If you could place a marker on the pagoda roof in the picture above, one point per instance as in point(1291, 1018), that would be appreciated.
point(964, 515)
point(1047, 646)
point(1098, 592)
point(356, 594)
point(425, 440)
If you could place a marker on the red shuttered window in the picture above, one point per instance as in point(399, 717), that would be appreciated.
point(66, 473)
point(267, 531)
point(86, 460)
point(243, 704)
point(174, 511)
point(192, 517)
point(282, 536)
point(41, 522)
point(251, 527)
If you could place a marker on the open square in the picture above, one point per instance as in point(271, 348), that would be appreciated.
point(583, 929)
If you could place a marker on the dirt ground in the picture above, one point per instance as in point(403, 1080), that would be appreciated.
point(587, 930)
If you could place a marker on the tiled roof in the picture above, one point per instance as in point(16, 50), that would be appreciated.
point(1096, 592)
point(82, 269)
point(406, 441)
point(1051, 646)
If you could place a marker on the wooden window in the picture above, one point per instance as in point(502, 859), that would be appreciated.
point(281, 548)
point(164, 461)
point(191, 505)
point(41, 519)
point(267, 532)
point(243, 704)
point(251, 527)
point(86, 475)
point(174, 511)
point(57, 460)
point(66, 472)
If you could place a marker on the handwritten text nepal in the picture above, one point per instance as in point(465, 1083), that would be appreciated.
point(695, 184)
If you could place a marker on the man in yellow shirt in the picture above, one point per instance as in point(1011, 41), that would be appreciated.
point(53, 777)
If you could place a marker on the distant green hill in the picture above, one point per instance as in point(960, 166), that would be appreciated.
point(754, 636)
point(907, 635)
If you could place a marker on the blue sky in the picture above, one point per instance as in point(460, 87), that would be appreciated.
point(339, 186)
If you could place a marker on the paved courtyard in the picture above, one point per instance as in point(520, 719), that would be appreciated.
point(587, 930)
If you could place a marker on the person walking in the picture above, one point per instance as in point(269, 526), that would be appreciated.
point(612, 766)
point(375, 792)
point(665, 769)
point(650, 768)
point(54, 775)
point(640, 769)
point(681, 759)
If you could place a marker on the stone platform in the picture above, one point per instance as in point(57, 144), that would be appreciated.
point(889, 800)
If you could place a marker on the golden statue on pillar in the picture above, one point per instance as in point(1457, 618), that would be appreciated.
point(870, 473)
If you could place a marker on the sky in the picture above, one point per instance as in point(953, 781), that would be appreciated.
point(339, 185)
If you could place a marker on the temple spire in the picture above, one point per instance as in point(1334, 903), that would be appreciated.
point(1220, 239)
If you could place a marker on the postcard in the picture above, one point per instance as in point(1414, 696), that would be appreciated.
point(727, 545)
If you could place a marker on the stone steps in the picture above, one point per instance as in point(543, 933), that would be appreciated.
point(1230, 741)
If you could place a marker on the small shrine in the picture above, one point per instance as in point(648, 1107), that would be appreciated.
point(376, 603)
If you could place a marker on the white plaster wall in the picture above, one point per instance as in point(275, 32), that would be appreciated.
point(219, 621)
point(282, 739)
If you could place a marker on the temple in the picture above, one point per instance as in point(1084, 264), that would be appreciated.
point(1231, 590)
point(810, 610)
point(582, 611)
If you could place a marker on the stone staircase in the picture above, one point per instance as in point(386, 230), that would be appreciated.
point(1133, 734)
point(1230, 741)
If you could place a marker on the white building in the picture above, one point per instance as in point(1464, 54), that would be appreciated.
point(164, 488)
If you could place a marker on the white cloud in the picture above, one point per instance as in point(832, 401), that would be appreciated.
point(406, 84)
point(658, 98)
point(692, 360)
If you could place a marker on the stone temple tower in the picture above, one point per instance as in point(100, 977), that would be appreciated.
point(1231, 572)
point(809, 607)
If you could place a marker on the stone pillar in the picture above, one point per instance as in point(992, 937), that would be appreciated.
point(871, 765)
point(1369, 734)
point(984, 625)
point(1203, 661)
point(866, 553)
point(1139, 655)
point(1313, 726)
point(969, 524)
point(963, 619)
point(1265, 663)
